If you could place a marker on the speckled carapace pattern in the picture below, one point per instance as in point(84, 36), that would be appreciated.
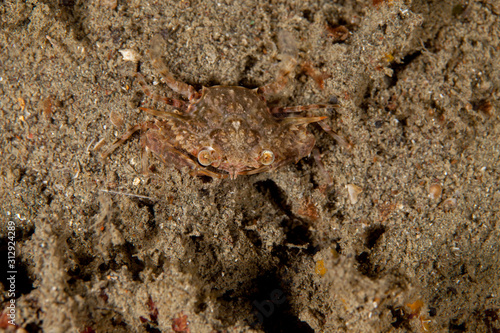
point(232, 123)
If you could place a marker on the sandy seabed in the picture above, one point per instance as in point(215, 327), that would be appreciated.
point(102, 247)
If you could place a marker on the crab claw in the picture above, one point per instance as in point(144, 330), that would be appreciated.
point(233, 174)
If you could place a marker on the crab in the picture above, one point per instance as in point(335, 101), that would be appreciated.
point(223, 131)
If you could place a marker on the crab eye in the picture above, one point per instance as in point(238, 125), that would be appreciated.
point(207, 156)
point(266, 157)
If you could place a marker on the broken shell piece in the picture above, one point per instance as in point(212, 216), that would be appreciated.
point(449, 204)
point(353, 191)
point(129, 55)
point(116, 119)
point(435, 191)
point(111, 4)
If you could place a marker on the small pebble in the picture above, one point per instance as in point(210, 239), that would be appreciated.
point(435, 191)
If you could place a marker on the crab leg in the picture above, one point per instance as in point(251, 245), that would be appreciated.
point(298, 108)
point(171, 155)
point(163, 114)
point(340, 139)
point(176, 103)
point(205, 172)
point(264, 168)
point(301, 120)
point(326, 176)
point(125, 137)
point(179, 87)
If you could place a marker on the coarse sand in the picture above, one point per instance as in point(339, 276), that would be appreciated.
point(404, 238)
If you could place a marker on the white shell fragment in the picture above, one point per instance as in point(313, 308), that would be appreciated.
point(435, 191)
point(353, 191)
point(129, 55)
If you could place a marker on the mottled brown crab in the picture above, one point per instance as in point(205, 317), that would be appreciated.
point(223, 131)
